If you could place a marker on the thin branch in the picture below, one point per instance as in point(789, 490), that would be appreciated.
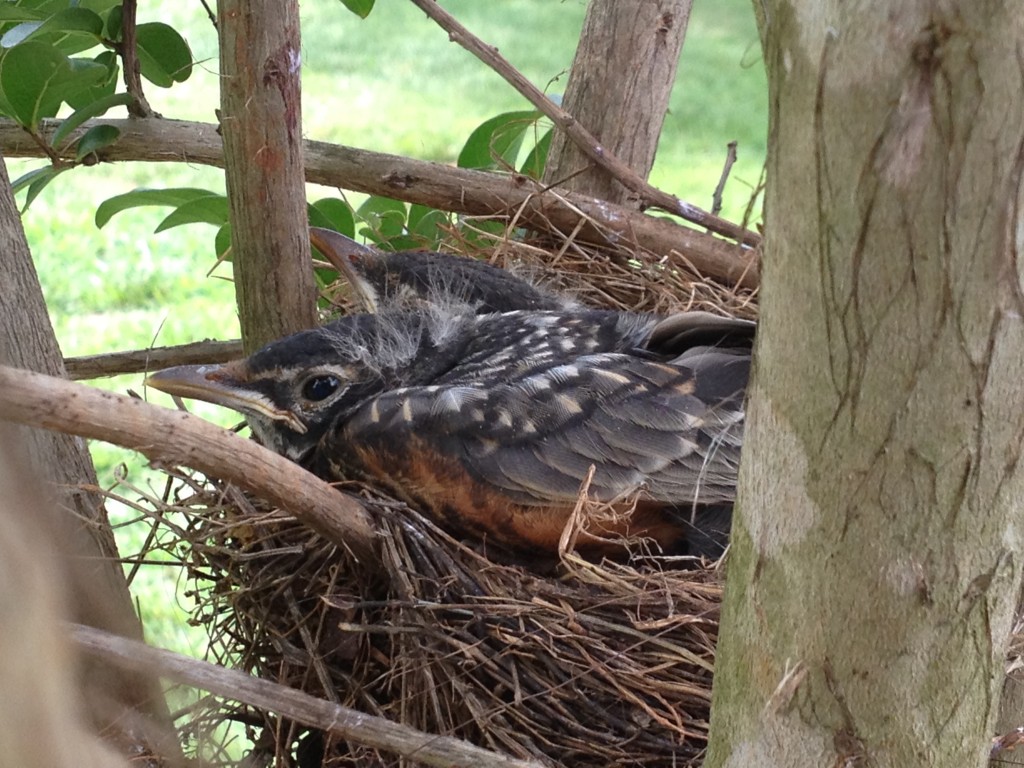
point(352, 725)
point(730, 160)
point(130, 62)
point(151, 359)
point(476, 193)
point(210, 13)
point(179, 438)
point(629, 178)
point(50, 153)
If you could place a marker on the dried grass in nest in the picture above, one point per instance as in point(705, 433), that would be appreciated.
point(623, 277)
point(636, 280)
point(594, 665)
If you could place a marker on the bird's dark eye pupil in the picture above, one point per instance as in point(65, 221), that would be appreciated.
point(320, 387)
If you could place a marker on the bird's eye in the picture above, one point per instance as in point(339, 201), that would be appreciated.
point(320, 387)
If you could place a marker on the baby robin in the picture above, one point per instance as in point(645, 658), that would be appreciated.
point(492, 422)
point(411, 279)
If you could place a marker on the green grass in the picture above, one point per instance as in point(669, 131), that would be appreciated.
point(391, 83)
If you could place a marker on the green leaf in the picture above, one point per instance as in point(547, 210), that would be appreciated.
point(337, 215)
point(536, 161)
point(425, 225)
point(143, 197)
point(70, 30)
point(5, 106)
point(33, 77)
point(12, 12)
point(39, 184)
point(222, 243)
point(384, 217)
point(35, 181)
point(497, 139)
point(95, 139)
point(86, 74)
point(360, 8)
point(482, 232)
point(28, 177)
point(114, 26)
point(104, 86)
point(164, 56)
point(211, 209)
point(95, 109)
point(100, 6)
point(19, 33)
point(75, 19)
point(317, 219)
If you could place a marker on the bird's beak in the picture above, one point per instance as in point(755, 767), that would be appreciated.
point(343, 253)
point(221, 385)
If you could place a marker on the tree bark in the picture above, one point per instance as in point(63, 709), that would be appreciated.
point(261, 121)
point(619, 88)
point(876, 549)
point(99, 593)
point(37, 663)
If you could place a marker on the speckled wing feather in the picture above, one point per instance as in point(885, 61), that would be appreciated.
point(673, 430)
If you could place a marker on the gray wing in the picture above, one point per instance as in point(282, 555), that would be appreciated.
point(689, 333)
point(673, 430)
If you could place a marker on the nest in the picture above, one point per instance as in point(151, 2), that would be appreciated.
point(582, 664)
point(627, 278)
point(577, 665)
point(589, 664)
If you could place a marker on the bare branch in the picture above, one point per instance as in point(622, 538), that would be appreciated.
point(176, 437)
point(581, 136)
point(151, 359)
point(440, 186)
point(368, 730)
point(730, 160)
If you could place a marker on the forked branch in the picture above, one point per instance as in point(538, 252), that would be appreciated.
point(649, 195)
point(179, 438)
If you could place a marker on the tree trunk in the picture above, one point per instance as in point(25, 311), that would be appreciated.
point(37, 664)
point(877, 545)
point(261, 121)
point(618, 89)
point(99, 593)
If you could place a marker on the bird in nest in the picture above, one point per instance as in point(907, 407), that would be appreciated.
point(419, 279)
point(495, 422)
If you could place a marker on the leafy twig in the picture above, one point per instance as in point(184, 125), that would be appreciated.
point(581, 136)
point(475, 193)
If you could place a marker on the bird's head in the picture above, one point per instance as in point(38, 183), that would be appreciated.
point(417, 279)
point(295, 389)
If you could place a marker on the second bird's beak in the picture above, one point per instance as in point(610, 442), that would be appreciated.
point(221, 385)
point(343, 253)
